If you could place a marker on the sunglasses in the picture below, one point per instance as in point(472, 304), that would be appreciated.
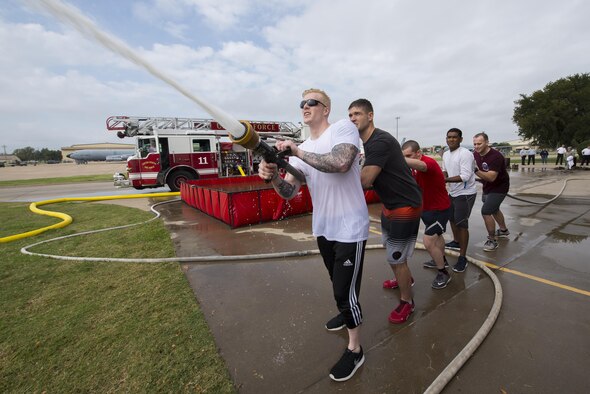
point(310, 103)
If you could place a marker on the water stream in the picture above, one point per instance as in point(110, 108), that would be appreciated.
point(74, 18)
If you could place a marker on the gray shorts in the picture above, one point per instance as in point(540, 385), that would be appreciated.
point(461, 207)
point(491, 203)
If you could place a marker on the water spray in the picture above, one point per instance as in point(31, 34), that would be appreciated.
point(241, 133)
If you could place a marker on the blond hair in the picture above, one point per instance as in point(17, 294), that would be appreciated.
point(326, 99)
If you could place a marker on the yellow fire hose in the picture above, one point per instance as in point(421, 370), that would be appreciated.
point(67, 219)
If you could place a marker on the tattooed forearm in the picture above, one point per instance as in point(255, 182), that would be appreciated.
point(285, 189)
point(338, 160)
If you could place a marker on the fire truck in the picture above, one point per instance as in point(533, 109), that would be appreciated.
point(170, 151)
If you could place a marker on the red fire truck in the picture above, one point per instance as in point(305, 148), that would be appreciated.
point(170, 151)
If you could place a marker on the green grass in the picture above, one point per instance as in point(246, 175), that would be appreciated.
point(100, 327)
point(58, 180)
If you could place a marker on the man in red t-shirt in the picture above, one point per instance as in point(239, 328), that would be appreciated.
point(435, 208)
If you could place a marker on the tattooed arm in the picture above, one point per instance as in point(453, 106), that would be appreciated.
point(340, 159)
point(286, 188)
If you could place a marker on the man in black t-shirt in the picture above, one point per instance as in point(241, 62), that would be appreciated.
point(386, 171)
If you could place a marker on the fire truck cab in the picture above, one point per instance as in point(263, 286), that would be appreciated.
point(170, 151)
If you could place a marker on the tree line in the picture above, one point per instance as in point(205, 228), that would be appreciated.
point(558, 114)
point(31, 154)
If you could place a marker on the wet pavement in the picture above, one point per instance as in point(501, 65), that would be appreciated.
point(268, 316)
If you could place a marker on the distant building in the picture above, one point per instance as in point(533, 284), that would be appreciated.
point(66, 150)
point(9, 160)
point(517, 145)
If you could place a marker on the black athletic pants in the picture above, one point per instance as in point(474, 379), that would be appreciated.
point(559, 159)
point(344, 262)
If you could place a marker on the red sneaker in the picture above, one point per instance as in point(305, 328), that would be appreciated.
point(392, 284)
point(402, 312)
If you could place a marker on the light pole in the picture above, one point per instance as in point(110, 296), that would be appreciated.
point(397, 128)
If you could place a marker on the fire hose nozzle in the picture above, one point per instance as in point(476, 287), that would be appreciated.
point(251, 140)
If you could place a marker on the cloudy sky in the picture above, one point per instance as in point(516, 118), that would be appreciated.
point(435, 64)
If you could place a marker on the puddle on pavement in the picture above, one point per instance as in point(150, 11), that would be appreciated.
point(529, 222)
point(296, 236)
point(575, 232)
point(569, 247)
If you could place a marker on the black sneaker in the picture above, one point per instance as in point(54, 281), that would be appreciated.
point(432, 264)
point(336, 323)
point(453, 245)
point(347, 365)
point(502, 233)
point(461, 264)
point(441, 281)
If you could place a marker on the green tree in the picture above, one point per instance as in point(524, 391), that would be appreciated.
point(48, 154)
point(25, 154)
point(558, 114)
point(29, 153)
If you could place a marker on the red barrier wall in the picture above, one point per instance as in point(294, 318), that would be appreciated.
point(241, 201)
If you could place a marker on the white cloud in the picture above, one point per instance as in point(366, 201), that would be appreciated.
point(177, 30)
point(176, 57)
point(220, 14)
point(435, 64)
point(158, 10)
point(33, 44)
point(216, 14)
point(464, 63)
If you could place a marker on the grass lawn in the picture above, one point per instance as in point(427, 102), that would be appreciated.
point(100, 327)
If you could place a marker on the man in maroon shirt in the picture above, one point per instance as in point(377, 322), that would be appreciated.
point(491, 170)
point(435, 208)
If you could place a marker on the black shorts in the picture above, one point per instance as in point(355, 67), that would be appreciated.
point(435, 221)
point(461, 207)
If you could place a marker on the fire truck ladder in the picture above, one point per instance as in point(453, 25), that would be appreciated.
point(130, 126)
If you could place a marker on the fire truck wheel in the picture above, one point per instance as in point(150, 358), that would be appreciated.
point(177, 177)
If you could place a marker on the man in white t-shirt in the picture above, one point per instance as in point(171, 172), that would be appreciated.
point(531, 156)
point(329, 160)
point(523, 154)
point(560, 154)
point(585, 156)
point(458, 168)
